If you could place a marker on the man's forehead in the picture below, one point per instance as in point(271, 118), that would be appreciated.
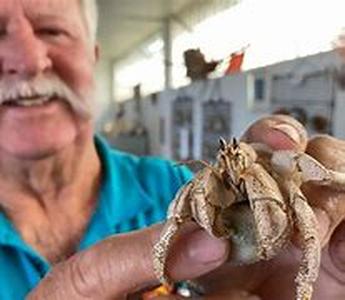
point(40, 7)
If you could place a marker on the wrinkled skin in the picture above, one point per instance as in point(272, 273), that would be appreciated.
point(191, 204)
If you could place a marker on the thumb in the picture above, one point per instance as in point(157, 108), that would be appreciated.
point(279, 132)
point(122, 265)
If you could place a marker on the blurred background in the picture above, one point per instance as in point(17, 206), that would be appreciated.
point(175, 75)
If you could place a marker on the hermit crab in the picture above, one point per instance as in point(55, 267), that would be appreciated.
point(251, 195)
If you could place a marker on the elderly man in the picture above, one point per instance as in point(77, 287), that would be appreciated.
point(64, 192)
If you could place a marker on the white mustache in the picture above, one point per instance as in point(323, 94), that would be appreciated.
point(43, 86)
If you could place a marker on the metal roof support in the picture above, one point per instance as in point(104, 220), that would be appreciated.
point(167, 52)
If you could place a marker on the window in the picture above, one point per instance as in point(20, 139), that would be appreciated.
point(258, 89)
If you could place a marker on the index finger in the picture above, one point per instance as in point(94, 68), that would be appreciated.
point(331, 153)
point(122, 265)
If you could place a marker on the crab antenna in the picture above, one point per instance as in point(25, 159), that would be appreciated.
point(222, 143)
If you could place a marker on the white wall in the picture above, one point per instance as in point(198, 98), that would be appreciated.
point(230, 88)
point(300, 67)
point(235, 89)
point(339, 113)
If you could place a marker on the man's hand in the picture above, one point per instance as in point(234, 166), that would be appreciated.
point(275, 279)
point(122, 265)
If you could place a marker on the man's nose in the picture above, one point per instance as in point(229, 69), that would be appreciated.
point(26, 56)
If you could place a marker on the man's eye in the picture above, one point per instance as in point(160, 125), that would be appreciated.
point(50, 31)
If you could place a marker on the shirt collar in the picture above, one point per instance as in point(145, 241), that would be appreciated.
point(10, 236)
point(120, 198)
point(121, 195)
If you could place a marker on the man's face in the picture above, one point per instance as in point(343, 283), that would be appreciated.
point(46, 76)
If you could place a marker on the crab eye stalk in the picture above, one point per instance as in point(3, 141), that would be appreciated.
point(235, 143)
point(222, 143)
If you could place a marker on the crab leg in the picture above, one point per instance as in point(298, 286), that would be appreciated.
point(285, 161)
point(269, 211)
point(306, 224)
point(179, 213)
point(337, 180)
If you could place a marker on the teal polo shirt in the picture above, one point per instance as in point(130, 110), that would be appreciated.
point(135, 192)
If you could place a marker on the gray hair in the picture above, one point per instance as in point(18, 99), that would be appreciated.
point(90, 13)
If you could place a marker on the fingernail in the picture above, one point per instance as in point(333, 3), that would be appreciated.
point(288, 130)
point(206, 249)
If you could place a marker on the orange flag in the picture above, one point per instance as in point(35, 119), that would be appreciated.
point(235, 63)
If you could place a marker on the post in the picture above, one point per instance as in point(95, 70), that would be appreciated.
point(167, 52)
